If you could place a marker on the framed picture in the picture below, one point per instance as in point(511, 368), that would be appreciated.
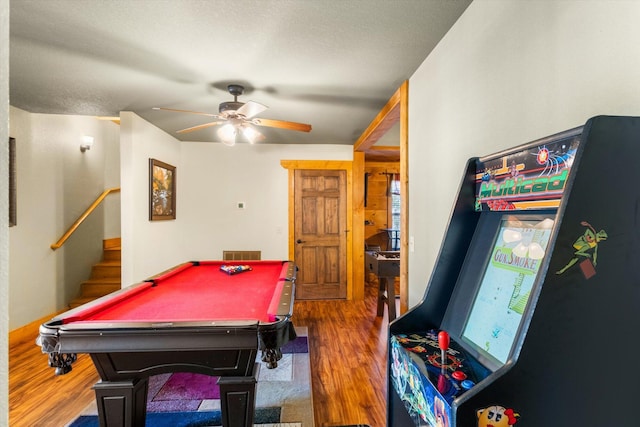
point(162, 191)
point(13, 191)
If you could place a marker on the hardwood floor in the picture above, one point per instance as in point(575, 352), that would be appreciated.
point(348, 370)
point(348, 350)
point(37, 398)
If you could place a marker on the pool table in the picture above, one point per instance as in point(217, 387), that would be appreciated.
point(195, 317)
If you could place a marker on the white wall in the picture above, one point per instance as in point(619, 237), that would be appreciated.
point(111, 132)
point(215, 178)
point(4, 209)
point(147, 247)
point(507, 73)
point(211, 179)
point(55, 184)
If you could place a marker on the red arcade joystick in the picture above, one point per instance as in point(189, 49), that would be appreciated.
point(443, 343)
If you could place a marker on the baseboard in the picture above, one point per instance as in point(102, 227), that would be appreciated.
point(29, 331)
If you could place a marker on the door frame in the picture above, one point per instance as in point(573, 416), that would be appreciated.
point(396, 110)
point(348, 167)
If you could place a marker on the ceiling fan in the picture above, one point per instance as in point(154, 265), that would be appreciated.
point(235, 117)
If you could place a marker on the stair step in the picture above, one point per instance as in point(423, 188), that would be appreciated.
point(111, 254)
point(106, 269)
point(100, 287)
point(112, 243)
point(105, 275)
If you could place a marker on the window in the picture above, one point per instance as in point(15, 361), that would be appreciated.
point(394, 211)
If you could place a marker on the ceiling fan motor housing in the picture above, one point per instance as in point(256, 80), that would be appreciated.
point(230, 106)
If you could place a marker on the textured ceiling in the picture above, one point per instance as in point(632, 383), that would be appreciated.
point(330, 63)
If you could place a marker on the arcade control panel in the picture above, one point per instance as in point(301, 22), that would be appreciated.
point(448, 367)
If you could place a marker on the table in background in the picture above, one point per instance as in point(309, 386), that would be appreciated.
point(385, 265)
point(193, 318)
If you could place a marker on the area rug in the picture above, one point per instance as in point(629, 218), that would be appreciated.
point(283, 395)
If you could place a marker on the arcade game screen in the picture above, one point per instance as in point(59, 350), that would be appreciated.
point(497, 310)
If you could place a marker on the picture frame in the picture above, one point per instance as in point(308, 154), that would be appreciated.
point(13, 180)
point(162, 191)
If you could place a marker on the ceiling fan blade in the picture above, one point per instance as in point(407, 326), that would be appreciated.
point(204, 126)
point(282, 124)
point(185, 111)
point(251, 109)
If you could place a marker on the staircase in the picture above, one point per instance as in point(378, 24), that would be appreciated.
point(105, 275)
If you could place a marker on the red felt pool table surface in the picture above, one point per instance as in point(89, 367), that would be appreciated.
point(197, 292)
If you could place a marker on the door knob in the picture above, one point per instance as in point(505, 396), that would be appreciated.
point(299, 241)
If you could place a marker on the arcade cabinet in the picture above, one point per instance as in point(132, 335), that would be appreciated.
point(531, 311)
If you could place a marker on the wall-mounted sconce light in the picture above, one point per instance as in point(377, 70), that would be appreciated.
point(87, 142)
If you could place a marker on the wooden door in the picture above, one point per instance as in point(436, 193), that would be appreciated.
point(320, 233)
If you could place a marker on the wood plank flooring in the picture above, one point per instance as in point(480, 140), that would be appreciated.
point(348, 369)
point(348, 360)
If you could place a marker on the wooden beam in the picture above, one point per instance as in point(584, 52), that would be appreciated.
point(357, 228)
point(403, 92)
point(386, 118)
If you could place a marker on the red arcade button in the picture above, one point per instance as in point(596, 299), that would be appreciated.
point(459, 375)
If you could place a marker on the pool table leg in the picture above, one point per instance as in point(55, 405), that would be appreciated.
point(271, 356)
point(122, 403)
point(238, 399)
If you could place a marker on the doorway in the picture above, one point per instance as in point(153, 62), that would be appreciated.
point(324, 189)
point(394, 113)
point(320, 233)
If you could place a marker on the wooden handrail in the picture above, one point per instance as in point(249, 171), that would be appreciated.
point(84, 216)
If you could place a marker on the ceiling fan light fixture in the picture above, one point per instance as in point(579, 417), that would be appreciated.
point(250, 134)
point(238, 117)
point(227, 134)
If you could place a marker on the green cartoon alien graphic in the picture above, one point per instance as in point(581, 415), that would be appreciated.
point(586, 246)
